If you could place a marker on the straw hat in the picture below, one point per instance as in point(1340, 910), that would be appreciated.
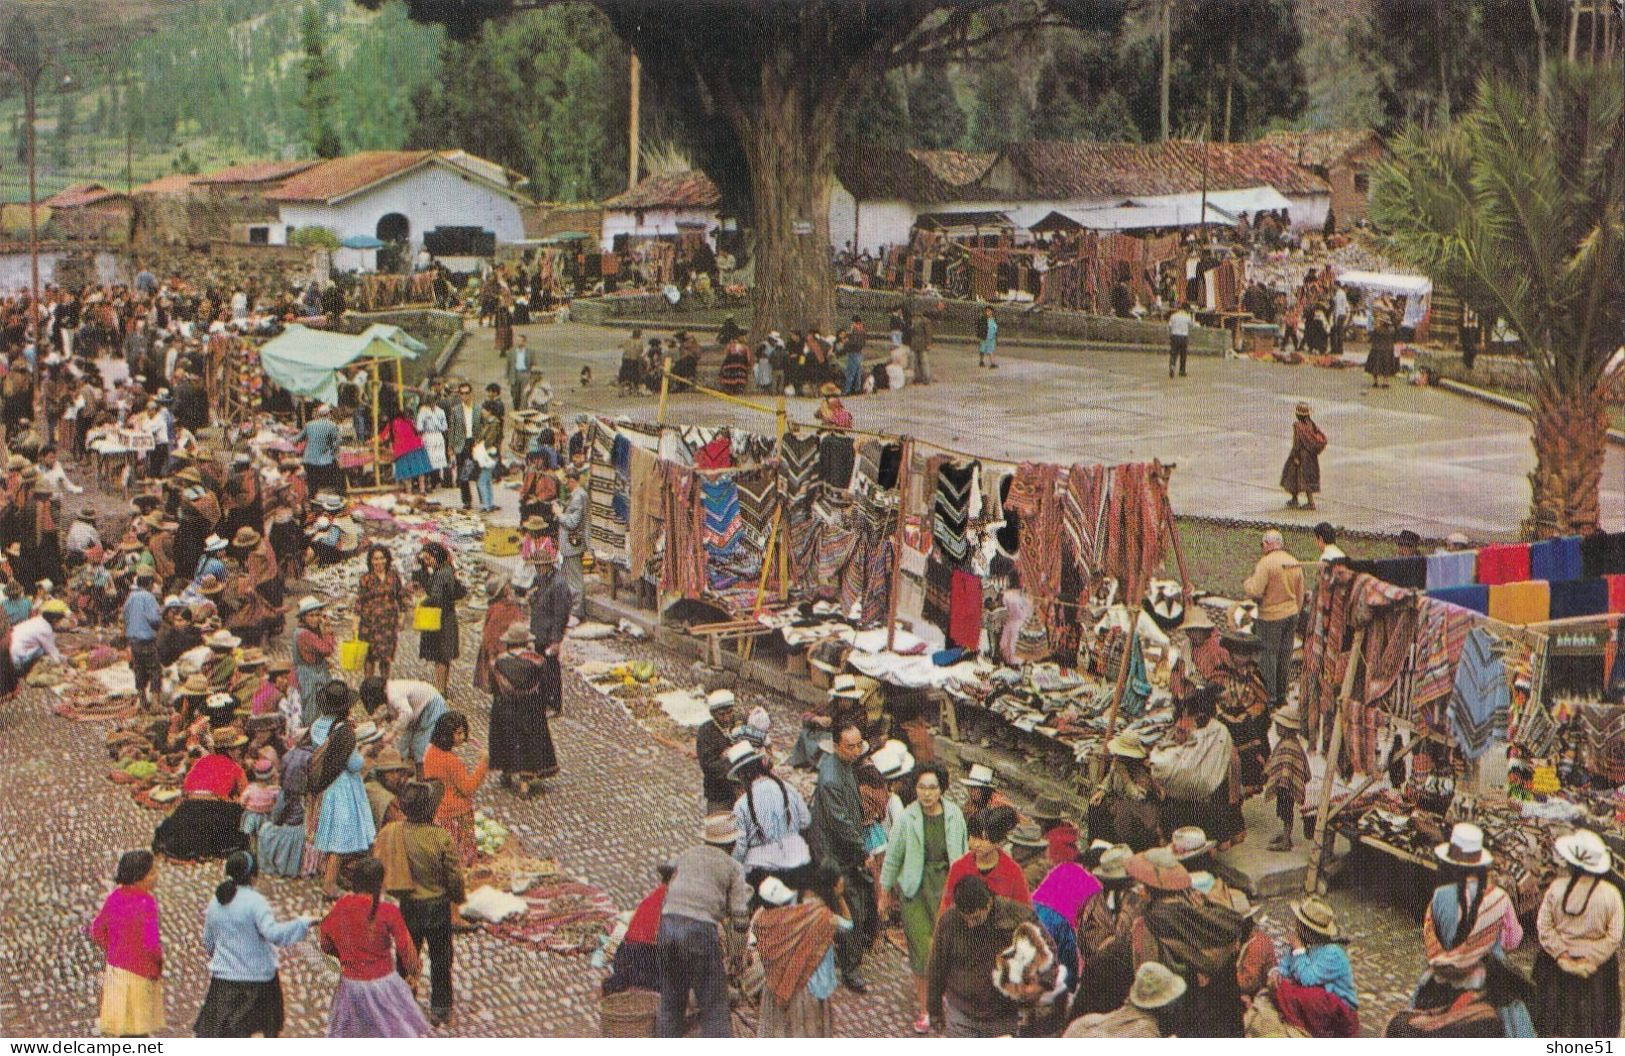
point(846, 686)
point(1584, 849)
point(309, 604)
point(1302, 409)
point(194, 686)
point(1196, 619)
point(719, 829)
point(979, 777)
point(253, 657)
point(829, 388)
point(1314, 914)
point(1289, 718)
point(246, 538)
point(209, 584)
point(214, 544)
point(739, 755)
point(1113, 863)
point(518, 633)
point(235, 739)
point(1190, 841)
point(390, 759)
point(893, 760)
point(1127, 745)
point(1159, 870)
point(16, 462)
point(1466, 847)
point(775, 892)
point(534, 523)
point(221, 702)
point(189, 475)
point(720, 698)
point(281, 666)
point(222, 639)
point(329, 501)
point(1155, 987)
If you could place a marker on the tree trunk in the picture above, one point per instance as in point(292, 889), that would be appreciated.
point(1571, 441)
point(788, 146)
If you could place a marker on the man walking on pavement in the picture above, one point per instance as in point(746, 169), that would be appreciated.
point(1179, 339)
point(463, 422)
point(1277, 585)
point(707, 889)
point(573, 538)
point(1340, 319)
point(837, 831)
point(518, 370)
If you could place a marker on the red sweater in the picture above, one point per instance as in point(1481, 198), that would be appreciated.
point(216, 774)
point(1005, 880)
point(367, 949)
point(645, 924)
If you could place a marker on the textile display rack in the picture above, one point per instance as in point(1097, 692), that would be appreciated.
point(1516, 727)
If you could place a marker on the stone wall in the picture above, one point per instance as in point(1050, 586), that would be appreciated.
point(439, 330)
point(227, 265)
point(1512, 374)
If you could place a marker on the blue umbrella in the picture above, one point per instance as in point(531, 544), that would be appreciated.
point(362, 242)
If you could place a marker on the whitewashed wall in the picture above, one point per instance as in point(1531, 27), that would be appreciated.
point(430, 197)
point(655, 222)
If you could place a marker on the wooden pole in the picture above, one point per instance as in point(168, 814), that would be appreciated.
point(1179, 552)
point(1322, 843)
point(897, 544)
point(665, 392)
point(634, 92)
point(377, 452)
point(782, 422)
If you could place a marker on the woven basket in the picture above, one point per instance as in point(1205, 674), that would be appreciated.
point(629, 1014)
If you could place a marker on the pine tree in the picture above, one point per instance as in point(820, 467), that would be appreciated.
point(317, 102)
point(935, 119)
point(60, 139)
point(1000, 113)
point(876, 116)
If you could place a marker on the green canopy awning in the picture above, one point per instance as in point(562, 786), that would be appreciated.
point(304, 361)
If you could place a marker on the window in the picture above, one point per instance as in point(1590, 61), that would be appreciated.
point(259, 236)
point(1362, 183)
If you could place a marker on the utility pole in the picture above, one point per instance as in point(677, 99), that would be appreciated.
point(632, 123)
point(30, 92)
point(1167, 60)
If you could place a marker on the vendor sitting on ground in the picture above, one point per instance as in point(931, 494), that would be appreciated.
point(1313, 986)
point(832, 413)
point(207, 821)
point(1197, 772)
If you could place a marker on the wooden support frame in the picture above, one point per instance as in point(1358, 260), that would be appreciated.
point(1322, 842)
point(380, 447)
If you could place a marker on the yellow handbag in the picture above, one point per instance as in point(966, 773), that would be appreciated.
point(426, 618)
point(353, 651)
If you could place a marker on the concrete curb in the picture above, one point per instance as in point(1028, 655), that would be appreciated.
point(1507, 403)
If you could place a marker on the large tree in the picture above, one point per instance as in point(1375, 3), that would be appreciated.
point(770, 81)
point(935, 119)
point(1521, 204)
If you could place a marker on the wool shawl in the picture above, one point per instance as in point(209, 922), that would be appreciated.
point(1067, 889)
point(1455, 952)
point(792, 940)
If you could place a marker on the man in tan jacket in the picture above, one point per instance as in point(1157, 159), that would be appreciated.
point(1277, 585)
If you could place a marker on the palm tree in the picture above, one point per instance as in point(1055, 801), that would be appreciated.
point(1521, 205)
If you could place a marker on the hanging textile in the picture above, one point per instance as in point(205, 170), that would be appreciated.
point(1473, 596)
point(950, 511)
point(866, 473)
point(798, 468)
point(1533, 730)
point(1527, 602)
point(644, 519)
point(1136, 535)
point(722, 528)
point(607, 498)
point(1556, 560)
point(965, 611)
point(835, 460)
point(1442, 632)
point(716, 453)
point(1579, 597)
point(1602, 738)
point(1451, 569)
point(1033, 496)
point(1083, 513)
point(758, 501)
point(1066, 622)
point(683, 570)
point(1389, 616)
point(1503, 563)
point(891, 463)
point(1479, 697)
point(939, 578)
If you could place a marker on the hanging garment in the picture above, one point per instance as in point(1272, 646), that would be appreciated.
point(1580, 597)
point(1479, 698)
point(798, 468)
point(1556, 560)
point(720, 498)
point(1441, 633)
point(1410, 572)
point(1474, 596)
point(891, 462)
point(939, 578)
point(965, 611)
point(1083, 513)
point(1033, 496)
point(1451, 570)
point(757, 493)
point(1136, 534)
point(950, 510)
point(1602, 736)
point(836, 458)
point(683, 569)
point(1503, 563)
point(716, 453)
point(1527, 602)
point(644, 519)
point(606, 483)
point(1616, 593)
point(1594, 555)
point(1324, 650)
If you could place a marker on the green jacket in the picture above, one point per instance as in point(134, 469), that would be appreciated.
point(905, 851)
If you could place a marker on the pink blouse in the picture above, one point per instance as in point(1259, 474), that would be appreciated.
point(127, 929)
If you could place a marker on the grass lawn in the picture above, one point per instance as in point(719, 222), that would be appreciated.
point(1219, 555)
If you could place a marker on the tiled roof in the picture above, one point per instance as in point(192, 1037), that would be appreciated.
point(1323, 148)
point(80, 195)
point(923, 177)
point(338, 177)
point(257, 172)
point(673, 190)
point(174, 183)
point(1050, 169)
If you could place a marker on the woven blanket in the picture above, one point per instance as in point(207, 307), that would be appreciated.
point(1136, 534)
point(758, 500)
point(1533, 729)
point(720, 498)
point(1033, 496)
point(1602, 734)
point(683, 568)
point(695, 437)
point(1083, 513)
point(866, 474)
point(835, 460)
point(950, 509)
point(939, 579)
point(1480, 698)
point(1324, 644)
point(608, 482)
point(644, 524)
point(1441, 633)
point(798, 469)
point(751, 448)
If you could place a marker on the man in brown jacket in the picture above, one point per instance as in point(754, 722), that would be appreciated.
point(1277, 585)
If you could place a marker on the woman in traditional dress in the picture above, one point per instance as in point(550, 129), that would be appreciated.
point(1301, 473)
point(772, 817)
point(207, 821)
point(1470, 925)
point(313, 644)
point(735, 371)
point(1059, 901)
point(795, 937)
point(127, 931)
point(441, 591)
point(832, 413)
point(1103, 934)
point(521, 744)
point(1198, 771)
point(440, 763)
point(1127, 806)
point(1381, 362)
point(406, 448)
point(1580, 923)
point(370, 939)
point(344, 824)
point(242, 936)
point(283, 837)
point(507, 607)
point(1199, 940)
point(380, 609)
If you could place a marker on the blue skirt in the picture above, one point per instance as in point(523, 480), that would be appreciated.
point(345, 824)
point(412, 464)
point(282, 850)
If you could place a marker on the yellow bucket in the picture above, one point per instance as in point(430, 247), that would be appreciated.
point(352, 654)
point(426, 618)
